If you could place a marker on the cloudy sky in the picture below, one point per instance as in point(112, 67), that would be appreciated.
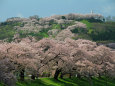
point(43, 8)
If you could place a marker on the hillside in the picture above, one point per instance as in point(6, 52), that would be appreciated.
point(75, 26)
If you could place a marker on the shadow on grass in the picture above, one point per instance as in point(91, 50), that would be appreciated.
point(63, 82)
point(96, 81)
point(102, 81)
point(79, 82)
point(67, 82)
point(36, 82)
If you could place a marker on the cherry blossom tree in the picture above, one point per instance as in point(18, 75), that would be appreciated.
point(21, 54)
point(6, 72)
point(51, 57)
point(73, 16)
point(6, 68)
point(55, 56)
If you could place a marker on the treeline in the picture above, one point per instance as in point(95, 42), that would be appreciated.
point(52, 58)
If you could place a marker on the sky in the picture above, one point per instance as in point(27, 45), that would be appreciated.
point(45, 8)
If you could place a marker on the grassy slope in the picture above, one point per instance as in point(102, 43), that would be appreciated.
point(100, 32)
point(103, 32)
point(66, 82)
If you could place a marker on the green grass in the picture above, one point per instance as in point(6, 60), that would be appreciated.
point(67, 82)
point(1, 84)
point(7, 30)
point(88, 24)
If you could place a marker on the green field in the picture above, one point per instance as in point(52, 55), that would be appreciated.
point(67, 82)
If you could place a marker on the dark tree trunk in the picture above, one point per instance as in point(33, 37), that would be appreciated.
point(33, 77)
point(79, 76)
point(105, 77)
point(61, 76)
point(22, 75)
point(70, 75)
point(37, 76)
point(57, 74)
point(90, 81)
point(106, 81)
point(99, 75)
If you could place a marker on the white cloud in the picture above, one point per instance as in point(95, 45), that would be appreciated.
point(19, 15)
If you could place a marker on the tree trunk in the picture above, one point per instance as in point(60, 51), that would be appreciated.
point(99, 75)
point(37, 76)
point(57, 74)
point(22, 75)
point(33, 77)
point(61, 76)
point(70, 75)
point(106, 80)
point(90, 81)
point(79, 76)
point(105, 77)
